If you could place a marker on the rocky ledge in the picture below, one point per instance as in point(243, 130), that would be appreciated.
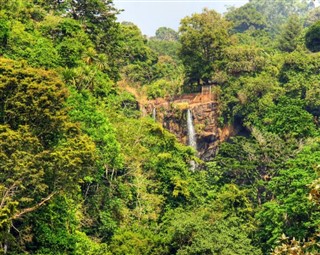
point(173, 116)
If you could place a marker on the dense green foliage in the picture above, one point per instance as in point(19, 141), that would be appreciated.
point(203, 38)
point(313, 38)
point(84, 172)
point(289, 36)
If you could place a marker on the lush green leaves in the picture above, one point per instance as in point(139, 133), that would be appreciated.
point(204, 231)
point(203, 38)
point(246, 17)
point(312, 37)
point(82, 172)
point(290, 212)
point(289, 35)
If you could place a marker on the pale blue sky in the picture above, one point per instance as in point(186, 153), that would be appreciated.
point(149, 15)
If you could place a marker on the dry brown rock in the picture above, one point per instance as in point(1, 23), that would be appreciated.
point(172, 115)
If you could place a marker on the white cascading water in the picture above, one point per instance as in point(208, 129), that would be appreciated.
point(191, 133)
point(192, 141)
point(154, 113)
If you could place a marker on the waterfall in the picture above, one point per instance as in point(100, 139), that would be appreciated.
point(154, 113)
point(191, 133)
point(192, 141)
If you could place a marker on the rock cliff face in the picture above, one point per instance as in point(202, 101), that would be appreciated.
point(173, 116)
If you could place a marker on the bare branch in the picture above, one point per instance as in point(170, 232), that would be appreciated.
point(9, 192)
point(33, 208)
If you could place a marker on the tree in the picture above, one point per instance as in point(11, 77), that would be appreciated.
point(42, 153)
point(4, 34)
point(204, 231)
point(312, 38)
point(134, 45)
point(241, 59)
point(277, 12)
point(165, 42)
point(312, 17)
point(99, 19)
point(290, 212)
point(288, 40)
point(300, 78)
point(44, 54)
point(203, 38)
point(58, 6)
point(288, 119)
point(165, 48)
point(166, 34)
point(246, 17)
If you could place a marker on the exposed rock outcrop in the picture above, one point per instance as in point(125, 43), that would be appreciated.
point(204, 108)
